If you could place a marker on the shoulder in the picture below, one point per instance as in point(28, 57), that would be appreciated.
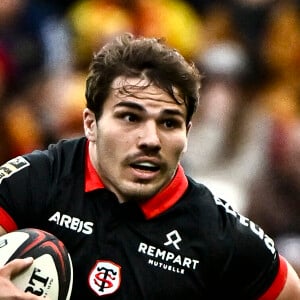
point(69, 146)
point(58, 158)
point(247, 251)
point(210, 206)
point(62, 155)
point(227, 219)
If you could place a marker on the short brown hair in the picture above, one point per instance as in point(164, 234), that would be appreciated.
point(131, 56)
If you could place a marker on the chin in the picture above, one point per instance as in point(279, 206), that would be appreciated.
point(141, 192)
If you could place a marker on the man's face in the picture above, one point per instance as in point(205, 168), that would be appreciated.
point(137, 143)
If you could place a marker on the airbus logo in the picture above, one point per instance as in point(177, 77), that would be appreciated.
point(173, 239)
point(72, 223)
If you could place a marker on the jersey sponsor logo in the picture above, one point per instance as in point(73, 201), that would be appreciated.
point(173, 239)
point(13, 166)
point(167, 260)
point(72, 223)
point(105, 277)
point(248, 223)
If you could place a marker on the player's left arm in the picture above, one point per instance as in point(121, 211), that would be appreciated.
point(286, 285)
point(291, 290)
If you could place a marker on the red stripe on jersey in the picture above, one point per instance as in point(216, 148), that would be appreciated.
point(279, 282)
point(6, 221)
point(167, 197)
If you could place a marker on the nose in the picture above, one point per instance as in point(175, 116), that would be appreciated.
point(148, 138)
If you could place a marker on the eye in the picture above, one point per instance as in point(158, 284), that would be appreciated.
point(130, 117)
point(171, 123)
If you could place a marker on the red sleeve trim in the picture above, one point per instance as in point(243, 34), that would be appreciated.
point(6, 221)
point(279, 282)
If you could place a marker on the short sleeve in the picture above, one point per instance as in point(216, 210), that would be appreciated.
point(252, 264)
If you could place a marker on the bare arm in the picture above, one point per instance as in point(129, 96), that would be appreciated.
point(291, 290)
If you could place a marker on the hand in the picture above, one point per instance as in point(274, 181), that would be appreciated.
point(8, 291)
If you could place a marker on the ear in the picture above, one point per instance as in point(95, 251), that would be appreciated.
point(188, 128)
point(90, 125)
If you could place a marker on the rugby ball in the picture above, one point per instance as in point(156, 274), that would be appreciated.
point(51, 274)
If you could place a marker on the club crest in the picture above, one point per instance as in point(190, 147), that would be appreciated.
point(105, 277)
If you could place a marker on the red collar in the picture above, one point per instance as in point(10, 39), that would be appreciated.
point(92, 180)
point(167, 197)
point(152, 207)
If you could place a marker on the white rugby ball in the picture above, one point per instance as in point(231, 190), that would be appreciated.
point(51, 274)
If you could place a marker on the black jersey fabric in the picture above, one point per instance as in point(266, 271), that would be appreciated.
point(199, 248)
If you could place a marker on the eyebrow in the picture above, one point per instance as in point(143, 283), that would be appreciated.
point(130, 105)
point(134, 105)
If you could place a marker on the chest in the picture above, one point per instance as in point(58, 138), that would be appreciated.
point(118, 254)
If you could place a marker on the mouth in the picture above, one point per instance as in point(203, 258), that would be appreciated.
point(145, 166)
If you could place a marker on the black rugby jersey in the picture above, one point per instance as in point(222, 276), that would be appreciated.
point(182, 244)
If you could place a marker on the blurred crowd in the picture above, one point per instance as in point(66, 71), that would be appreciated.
point(245, 139)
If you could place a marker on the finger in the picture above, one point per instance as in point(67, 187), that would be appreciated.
point(27, 296)
point(16, 266)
